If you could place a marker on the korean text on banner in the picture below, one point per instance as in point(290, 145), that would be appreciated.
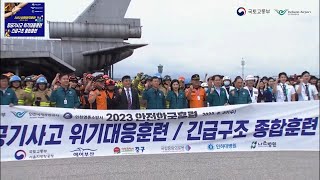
point(30, 133)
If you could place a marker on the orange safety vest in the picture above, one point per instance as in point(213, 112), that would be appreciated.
point(197, 98)
point(100, 101)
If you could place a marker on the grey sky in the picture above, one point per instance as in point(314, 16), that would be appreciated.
point(208, 36)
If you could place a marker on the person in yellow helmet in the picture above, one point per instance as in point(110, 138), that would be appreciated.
point(119, 84)
point(29, 96)
point(165, 88)
point(141, 83)
point(137, 80)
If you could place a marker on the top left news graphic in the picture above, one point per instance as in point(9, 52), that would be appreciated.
point(24, 19)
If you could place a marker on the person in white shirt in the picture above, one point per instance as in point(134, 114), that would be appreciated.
point(284, 92)
point(250, 82)
point(227, 85)
point(305, 90)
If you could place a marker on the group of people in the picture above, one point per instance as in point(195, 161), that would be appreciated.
point(153, 92)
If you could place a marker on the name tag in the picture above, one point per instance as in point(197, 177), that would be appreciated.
point(65, 102)
point(198, 98)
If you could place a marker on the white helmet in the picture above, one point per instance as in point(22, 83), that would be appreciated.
point(226, 78)
point(250, 78)
point(204, 85)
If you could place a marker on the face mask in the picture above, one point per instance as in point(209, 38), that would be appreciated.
point(226, 83)
point(206, 89)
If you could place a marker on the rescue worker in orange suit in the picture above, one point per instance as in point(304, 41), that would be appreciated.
point(97, 96)
point(196, 95)
point(112, 94)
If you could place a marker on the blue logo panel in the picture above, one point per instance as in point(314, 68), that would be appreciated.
point(24, 20)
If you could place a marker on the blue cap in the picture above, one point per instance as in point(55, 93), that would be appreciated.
point(15, 78)
point(41, 80)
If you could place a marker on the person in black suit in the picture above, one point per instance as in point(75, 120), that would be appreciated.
point(128, 97)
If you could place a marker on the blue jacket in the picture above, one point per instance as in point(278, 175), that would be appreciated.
point(239, 96)
point(268, 95)
point(8, 96)
point(59, 96)
point(214, 99)
point(155, 99)
point(177, 102)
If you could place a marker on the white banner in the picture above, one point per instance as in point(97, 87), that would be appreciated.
point(31, 133)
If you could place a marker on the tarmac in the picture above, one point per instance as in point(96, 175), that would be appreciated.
point(215, 165)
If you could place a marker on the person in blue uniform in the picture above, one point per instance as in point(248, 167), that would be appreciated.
point(7, 95)
point(65, 97)
point(217, 95)
point(176, 97)
point(153, 97)
point(239, 95)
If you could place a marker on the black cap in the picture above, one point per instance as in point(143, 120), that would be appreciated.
point(290, 79)
point(73, 79)
point(313, 77)
point(98, 78)
point(195, 77)
point(28, 79)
